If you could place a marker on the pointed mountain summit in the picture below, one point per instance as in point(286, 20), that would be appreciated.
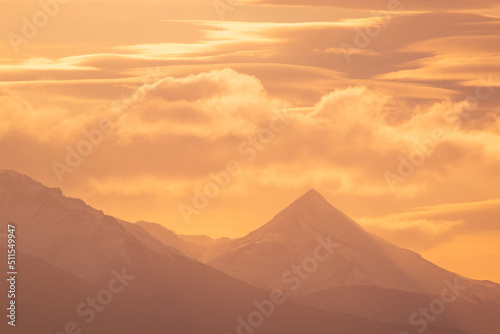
point(307, 218)
point(78, 255)
point(320, 256)
point(309, 206)
point(312, 196)
point(311, 200)
point(361, 258)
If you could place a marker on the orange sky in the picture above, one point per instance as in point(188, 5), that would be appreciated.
point(188, 89)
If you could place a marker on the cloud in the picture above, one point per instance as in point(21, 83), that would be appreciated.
point(426, 63)
point(426, 228)
point(418, 234)
point(19, 117)
point(180, 129)
point(214, 104)
point(220, 82)
point(358, 125)
point(385, 4)
point(217, 103)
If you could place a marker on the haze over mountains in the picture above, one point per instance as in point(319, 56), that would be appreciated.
point(70, 251)
point(198, 247)
point(366, 275)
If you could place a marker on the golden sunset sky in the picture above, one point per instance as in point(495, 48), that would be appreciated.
point(334, 95)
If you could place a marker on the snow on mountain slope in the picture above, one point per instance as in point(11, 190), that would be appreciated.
point(200, 248)
point(68, 251)
point(361, 258)
point(66, 232)
point(364, 270)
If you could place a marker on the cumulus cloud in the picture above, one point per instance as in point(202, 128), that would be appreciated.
point(180, 129)
point(340, 133)
point(416, 71)
point(48, 123)
point(365, 132)
point(214, 104)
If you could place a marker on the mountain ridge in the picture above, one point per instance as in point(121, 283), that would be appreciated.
point(70, 235)
point(169, 292)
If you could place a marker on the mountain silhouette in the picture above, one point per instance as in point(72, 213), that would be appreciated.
point(73, 257)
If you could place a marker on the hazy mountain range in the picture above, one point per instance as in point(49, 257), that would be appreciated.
point(335, 276)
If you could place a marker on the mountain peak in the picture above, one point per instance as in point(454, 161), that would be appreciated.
point(12, 182)
point(311, 198)
point(16, 188)
point(312, 192)
point(10, 173)
point(10, 177)
point(310, 215)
